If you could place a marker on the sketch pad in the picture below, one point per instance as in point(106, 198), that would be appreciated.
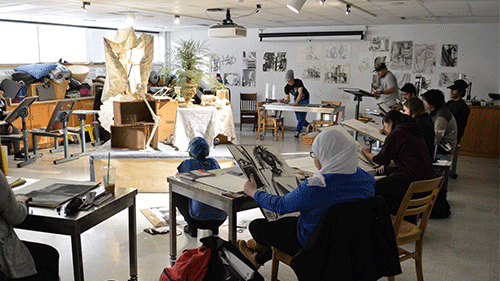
point(52, 192)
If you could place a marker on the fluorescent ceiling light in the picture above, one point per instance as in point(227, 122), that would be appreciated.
point(313, 35)
point(296, 5)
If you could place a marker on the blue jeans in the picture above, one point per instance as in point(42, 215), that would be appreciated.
point(301, 117)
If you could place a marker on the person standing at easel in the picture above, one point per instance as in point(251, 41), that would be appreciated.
point(296, 88)
point(388, 85)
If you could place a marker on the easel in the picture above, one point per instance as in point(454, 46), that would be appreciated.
point(358, 98)
point(22, 111)
point(57, 123)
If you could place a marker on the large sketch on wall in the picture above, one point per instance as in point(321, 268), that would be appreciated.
point(229, 59)
point(250, 60)
point(449, 55)
point(270, 172)
point(401, 55)
point(402, 79)
point(337, 73)
point(231, 79)
point(214, 63)
point(308, 52)
point(248, 79)
point(375, 83)
point(424, 58)
point(338, 50)
point(422, 83)
point(381, 58)
point(311, 72)
point(446, 79)
point(365, 62)
point(274, 62)
point(379, 44)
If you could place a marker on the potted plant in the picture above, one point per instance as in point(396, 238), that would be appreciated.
point(187, 60)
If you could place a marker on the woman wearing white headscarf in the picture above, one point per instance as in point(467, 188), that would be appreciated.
point(338, 180)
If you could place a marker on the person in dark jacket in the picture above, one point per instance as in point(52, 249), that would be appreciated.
point(416, 109)
point(445, 126)
point(458, 107)
point(405, 145)
point(8, 129)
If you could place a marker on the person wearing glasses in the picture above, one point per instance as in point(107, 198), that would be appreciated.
point(338, 180)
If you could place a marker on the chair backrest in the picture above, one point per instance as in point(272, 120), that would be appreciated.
point(261, 112)
point(422, 203)
point(336, 103)
point(248, 102)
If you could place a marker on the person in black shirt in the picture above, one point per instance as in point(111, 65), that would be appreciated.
point(296, 88)
point(416, 109)
point(8, 129)
point(458, 107)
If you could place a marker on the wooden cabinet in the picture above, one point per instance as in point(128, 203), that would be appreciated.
point(481, 136)
point(39, 116)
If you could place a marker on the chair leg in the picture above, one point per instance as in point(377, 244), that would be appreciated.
point(258, 131)
point(418, 259)
point(391, 278)
point(282, 131)
point(274, 269)
point(275, 131)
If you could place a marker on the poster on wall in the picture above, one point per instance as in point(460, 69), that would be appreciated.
point(381, 58)
point(365, 62)
point(379, 44)
point(338, 51)
point(214, 63)
point(248, 79)
point(311, 72)
point(449, 55)
point(337, 73)
point(274, 62)
point(402, 79)
point(229, 59)
point(375, 83)
point(422, 83)
point(308, 52)
point(250, 60)
point(231, 79)
point(401, 55)
point(446, 79)
point(424, 58)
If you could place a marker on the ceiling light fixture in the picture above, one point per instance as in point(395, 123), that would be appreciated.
point(84, 4)
point(347, 9)
point(130, 20)
point(296, 5)
point(322, 2)
point(357, 8)
point(177, 19)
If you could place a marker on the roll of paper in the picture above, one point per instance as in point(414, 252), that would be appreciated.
point(274, 91)
point(267, 90)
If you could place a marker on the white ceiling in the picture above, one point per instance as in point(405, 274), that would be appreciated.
point(158, 15)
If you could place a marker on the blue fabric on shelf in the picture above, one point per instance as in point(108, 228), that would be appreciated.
point(37, 70)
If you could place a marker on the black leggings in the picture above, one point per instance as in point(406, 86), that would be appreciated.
point(46, 262)
point(281, 234)
point(15, 131)
point(182, 203)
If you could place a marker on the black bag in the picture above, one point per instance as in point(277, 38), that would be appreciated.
point(219, 268)
point(24, 77)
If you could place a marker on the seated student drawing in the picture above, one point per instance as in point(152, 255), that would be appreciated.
point(415, 108)
point(22, 260)
point(197, 214)
point(338, 180)
point(405, 145)
point(9, 129)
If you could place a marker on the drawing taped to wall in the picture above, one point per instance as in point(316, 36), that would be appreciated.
point(424, 58)
point(311, 72)
point(337, 73)
point(381, 58)
point(449, 55)
point(365, 62)
point(402, 79)
point(422, 83)
point(229, 59)
point(379, 44)
point(214, 63)
point(308, 52)
point(231, 79)
point(248, 79)
point(250, 60)
point(446, 79)
point(401, 55)
point(375, 83)
point(338, 50)
point(274, 62)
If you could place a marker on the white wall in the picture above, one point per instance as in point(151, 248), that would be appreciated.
point(478, 58)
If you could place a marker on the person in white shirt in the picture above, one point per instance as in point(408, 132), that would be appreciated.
point(389, 90)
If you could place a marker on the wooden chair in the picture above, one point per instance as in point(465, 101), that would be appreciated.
point(322, 121)
point(248, 109)
point(407, 232)
point(264, 121)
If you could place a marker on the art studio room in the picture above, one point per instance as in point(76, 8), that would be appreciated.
point(293, 139)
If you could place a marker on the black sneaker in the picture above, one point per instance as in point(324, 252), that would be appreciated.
point(297, 134)
point(191, 231)
point(19, 156)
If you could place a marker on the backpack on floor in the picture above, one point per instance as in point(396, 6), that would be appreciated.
point(192, 265)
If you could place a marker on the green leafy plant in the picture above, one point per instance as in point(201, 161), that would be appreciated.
point(187, 60)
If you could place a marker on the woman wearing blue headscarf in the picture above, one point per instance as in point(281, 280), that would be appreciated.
point(197, 214)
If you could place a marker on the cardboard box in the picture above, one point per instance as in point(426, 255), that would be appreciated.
point(132, 136)
point(133, 111)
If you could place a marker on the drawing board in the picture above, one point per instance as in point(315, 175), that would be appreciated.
point(14, 114)
point(62, 107)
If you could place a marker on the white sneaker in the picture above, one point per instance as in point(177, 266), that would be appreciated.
point(297, 134)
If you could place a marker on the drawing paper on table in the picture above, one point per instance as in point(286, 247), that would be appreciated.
point(226, 182)
point(365, 129)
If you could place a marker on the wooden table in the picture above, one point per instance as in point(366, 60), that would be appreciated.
point(209, 195)
point(48, 220)
point(314, 108)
